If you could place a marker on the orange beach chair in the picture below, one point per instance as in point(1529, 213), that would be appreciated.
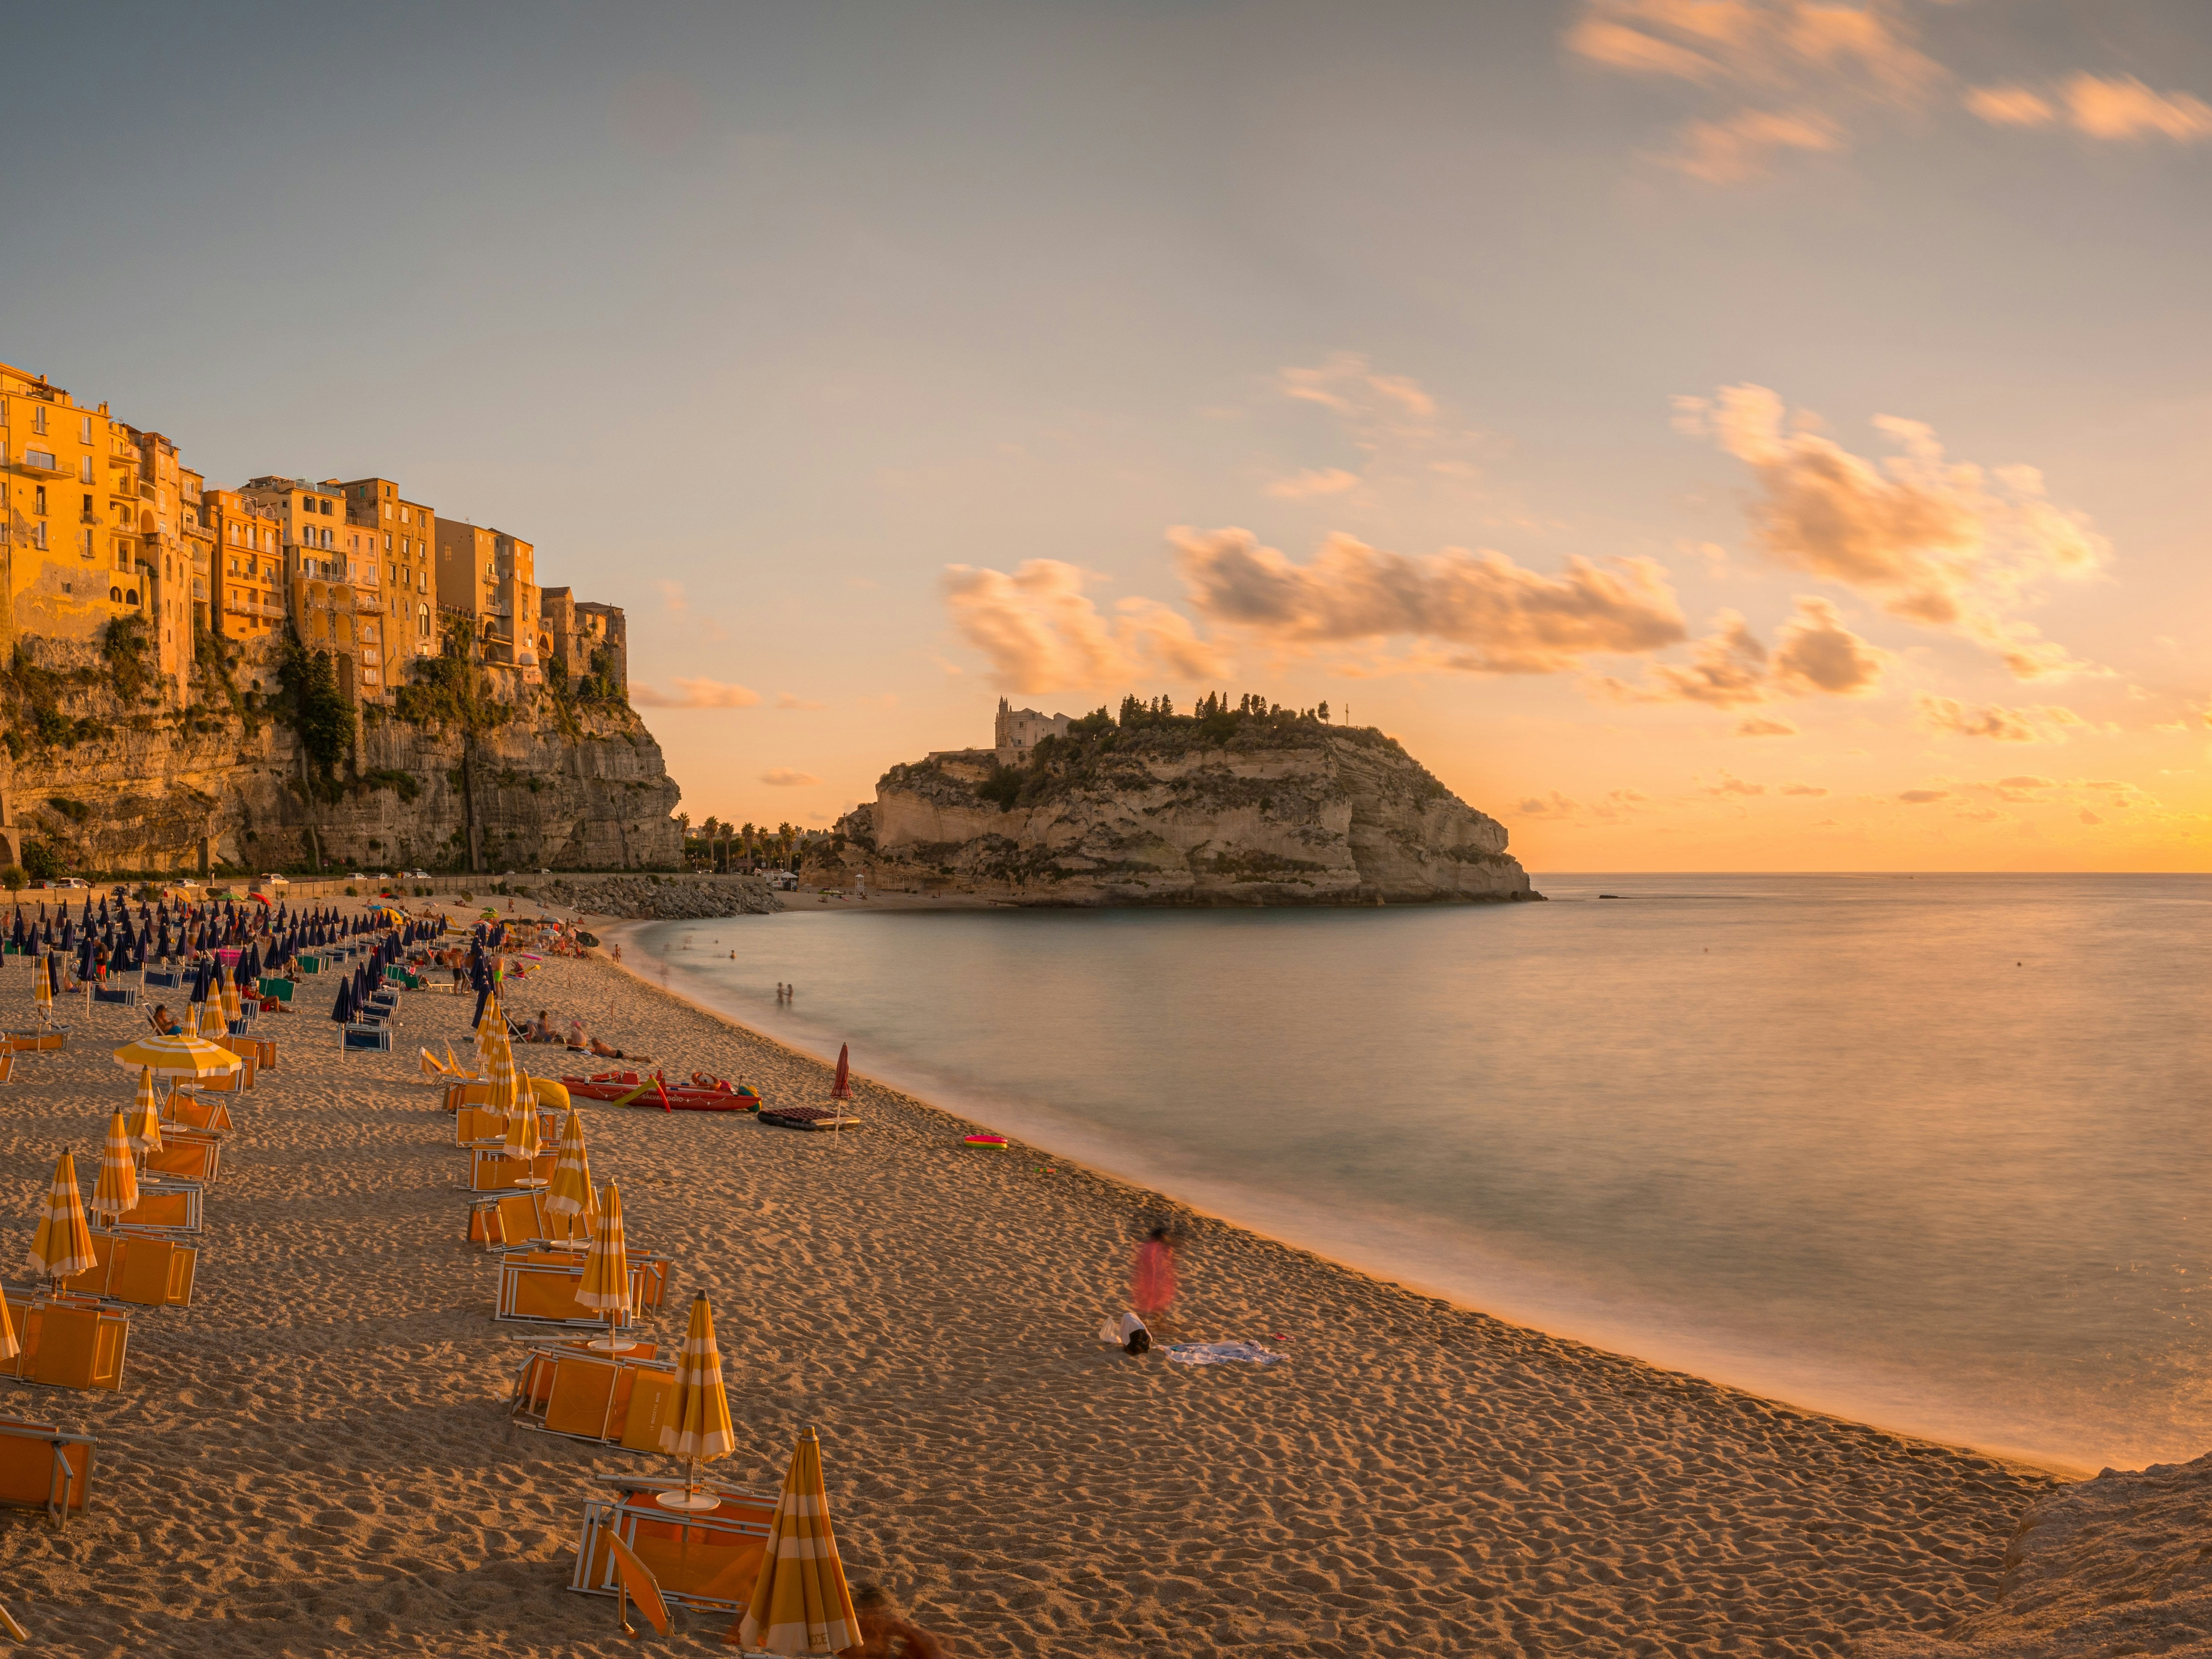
point(704, 1559)
point(169, 1207)
point(615, 1398)
point(188, 1111)
point(189, 1154)
point(67, 1342)
point(538, 1286)
point(144, 1269)
point(44, 1467)
point(492, 1171)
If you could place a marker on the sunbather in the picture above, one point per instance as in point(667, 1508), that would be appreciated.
point(160, 1020)
point(604, 1052)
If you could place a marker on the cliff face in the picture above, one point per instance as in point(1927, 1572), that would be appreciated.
point(115, 781)
point(1231, 812)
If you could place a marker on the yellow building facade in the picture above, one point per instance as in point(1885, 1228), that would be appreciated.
point(405, 534)
point(247, 585)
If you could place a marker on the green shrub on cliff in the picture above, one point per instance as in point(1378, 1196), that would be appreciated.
point(320, 712)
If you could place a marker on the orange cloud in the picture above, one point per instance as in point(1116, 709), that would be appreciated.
point(1306, 485)
point(695, 694)
point(1944, 544)
point(2042, 723)
point(1730, 668)
point(2113, 107)
point(1503, 618)
point(783, 777)
point(1041, 632)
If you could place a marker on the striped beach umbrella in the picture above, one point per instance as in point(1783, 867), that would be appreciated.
point(145, 1122)
point(115, 1194)
point(799, 1603)
point(191, 1059)
point(231, 1007)
point(606, 1288)
point(523, 1140)
point(42, 989)
point(698, 1426)
point(211, 1021)
point(62, 1247)
point(571, 1193)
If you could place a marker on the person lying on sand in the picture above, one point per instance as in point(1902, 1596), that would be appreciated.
point(603, 1052)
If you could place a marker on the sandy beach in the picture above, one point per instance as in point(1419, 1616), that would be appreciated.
point(316, 1457)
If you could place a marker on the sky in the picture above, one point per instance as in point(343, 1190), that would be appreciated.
point(1711, 435)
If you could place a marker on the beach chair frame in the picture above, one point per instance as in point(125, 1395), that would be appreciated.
point(143, 1268)
point(161, 1196)
point(187, 1154)
point(687, 1572)
point(67, 1342)
point(63, 1485)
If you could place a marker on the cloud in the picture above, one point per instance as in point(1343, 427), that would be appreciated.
point(1758, 726)
point(1041, 632)
point(1501, 618)
point(1943, 543)
point(1815, 653)
point(1813, 791)
point(1923, 797)
point(695, 694)
point(2087, 816)
point(672, 597)
point(1556, 806)
point(1330, 480)
point(1769, 76)
point(2011, 107)
point(1732, 784)
point(2041, 723)
point(1617, 806)
point(782, 777)
point(785, 700)
point(2124, 108)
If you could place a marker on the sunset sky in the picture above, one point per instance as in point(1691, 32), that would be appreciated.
point(1711, 434)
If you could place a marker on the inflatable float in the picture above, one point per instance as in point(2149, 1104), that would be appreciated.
point(629, 1088)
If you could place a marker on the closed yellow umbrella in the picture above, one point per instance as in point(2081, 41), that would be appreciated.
point(698, 1426)
point(606, 1274)
point(231, 1007)
point(62, 1247)
point(799, 1603)
point(115, 1194)
point(43, 990)
point(571, 1195)
point(145, 1122)
point(523, 1140)
point(211, 1023)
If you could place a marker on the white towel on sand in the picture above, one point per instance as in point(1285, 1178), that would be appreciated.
point(1221, 1353)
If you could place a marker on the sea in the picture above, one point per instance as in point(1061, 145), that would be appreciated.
point(1933, 1152)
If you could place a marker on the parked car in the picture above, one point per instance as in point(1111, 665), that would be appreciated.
point(70, 884)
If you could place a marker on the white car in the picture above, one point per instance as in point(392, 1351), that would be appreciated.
point(70, 884)
point(419, 875)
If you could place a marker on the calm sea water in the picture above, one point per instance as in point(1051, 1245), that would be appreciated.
point(1931, 1152)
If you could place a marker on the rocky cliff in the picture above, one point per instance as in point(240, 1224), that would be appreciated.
point(1235, 809)
point(105, 774)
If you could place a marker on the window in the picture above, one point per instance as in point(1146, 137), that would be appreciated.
point(403, 515)
point(37, 417)
point(39, 499)
point(326, 509)
point(38, 534)
point(387, 509)
point(88, 506)
point(84, 430)
point(84, 469)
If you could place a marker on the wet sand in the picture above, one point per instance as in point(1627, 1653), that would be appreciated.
point(315, 1458)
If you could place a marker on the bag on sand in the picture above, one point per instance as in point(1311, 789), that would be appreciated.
point(1128, 1333)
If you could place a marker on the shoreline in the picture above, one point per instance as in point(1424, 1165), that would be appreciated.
point(1225, 1205)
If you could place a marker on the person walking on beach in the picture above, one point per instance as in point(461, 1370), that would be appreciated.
point(1152, 1276)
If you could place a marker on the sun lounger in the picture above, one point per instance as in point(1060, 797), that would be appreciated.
point(492, 1171)
point(162, 979)
point(145, 1269)
point(259, 1052)
point(188, 1111)
point(44, 1467)
point(616, 1400)
point(509, 1220)
point(7, 1063)
point(480, 1125)
point(125, 996)
point(374, 1039)
point(701, 1558)
point(53, 1040)
point(279, 990)
point(67, 1342)
point(538, 1288)
point(165, 1206)
point(188, 1154)
point(235, 1082)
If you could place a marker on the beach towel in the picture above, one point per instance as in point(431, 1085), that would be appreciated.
point(1221, 1353)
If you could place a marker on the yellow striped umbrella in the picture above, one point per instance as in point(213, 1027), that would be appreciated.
point(799, 1603)
point(698, 1426)
point(62, 1248)
point(145, 1125)
point(523, 1140)
point(571, 1193)
point(42, 989)
point(491, 1023)
point(606, 1271)
point(115, 1194)
point(230, 1003)
point(9, 1347)
point(211, 1021)
point(505, 1082)
point(191, 1058)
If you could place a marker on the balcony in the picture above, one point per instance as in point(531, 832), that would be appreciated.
point(43, 464)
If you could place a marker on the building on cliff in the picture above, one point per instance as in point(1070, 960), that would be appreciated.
point(578, 634)
point(490, 578)
point(245, 585)
point(87, 533)
point(403, 533)
point(333, 577)
point(1020, 730)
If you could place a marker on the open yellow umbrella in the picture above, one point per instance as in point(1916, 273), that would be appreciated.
point(62, 1247)
point(144, 1125)
point(606, 1274)
point(192, 1059)
point(799, 1603)
point(571, 1195)
point(698, 1426)
point(115, 1194)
